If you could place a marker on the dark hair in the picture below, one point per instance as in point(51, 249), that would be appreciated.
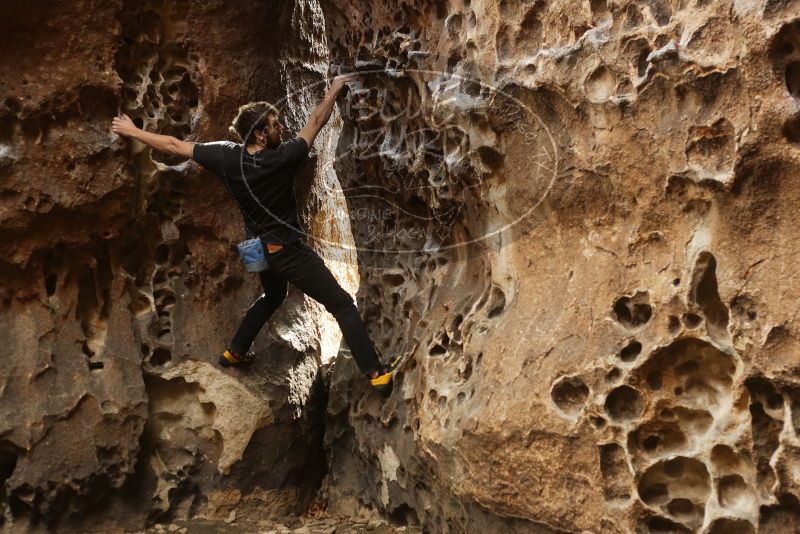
point(251, 117)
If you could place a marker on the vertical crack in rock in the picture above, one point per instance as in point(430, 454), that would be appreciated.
point(705, 294)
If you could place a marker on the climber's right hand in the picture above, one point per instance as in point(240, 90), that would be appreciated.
point(340, 82)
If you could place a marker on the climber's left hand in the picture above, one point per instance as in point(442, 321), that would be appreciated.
point(123, 125)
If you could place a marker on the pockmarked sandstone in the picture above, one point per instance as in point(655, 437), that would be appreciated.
point(624, 357)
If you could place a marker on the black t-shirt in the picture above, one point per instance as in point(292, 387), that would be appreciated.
point(270, 174)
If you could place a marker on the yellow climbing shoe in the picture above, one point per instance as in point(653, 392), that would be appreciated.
point(383, 382)
point(228, 358)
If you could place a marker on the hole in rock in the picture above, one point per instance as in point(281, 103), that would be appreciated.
point(705, 294)
point(570, 393)
point(679, 479)
point(50, 282)
point(794, 400)
point(690, 368)
point(393, 279)
point(8, 460)
point(765, 430)
point(598, 421)
point(466, 374)
point(437, 350)
point(160, 357)
point(775, 401)
point(692, 320)
point(725, 525)
point(725, 459)
point(31, 129)
point(786, 42)
point(165, 299)
point(162, 254)
point(159, 277)
point(13, 105)
point(793, 78)
point(682, 509)
point(491, 158)
point(404, 515)
point(599, 10)
point(209, 408)
point(7, 127)
point(455, 325)
point(673, 468)
point(630, 351)
point(658, 438)
point(624, 404)
point(452, 63)
point(454, 23)
point(778, 519)
point(613, 374)
point(633, 311)
point(655, 494)
point(651, 442)
point(791, 129)
point(733, 492)
point(662, 525)
point(743, 308)
point(497, 302)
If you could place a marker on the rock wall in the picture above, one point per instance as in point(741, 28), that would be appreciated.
point(577, 223)
point(120, 281)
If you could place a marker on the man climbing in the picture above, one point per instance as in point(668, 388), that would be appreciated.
point(268, 204)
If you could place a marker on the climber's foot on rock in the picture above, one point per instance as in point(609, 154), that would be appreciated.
point(231, 359)
point(383, 380)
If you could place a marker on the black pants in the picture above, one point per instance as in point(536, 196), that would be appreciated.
point(303, 267)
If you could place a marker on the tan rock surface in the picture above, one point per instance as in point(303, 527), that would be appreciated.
point(622, 357)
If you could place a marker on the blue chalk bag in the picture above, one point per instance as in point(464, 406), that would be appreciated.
point(252, 254)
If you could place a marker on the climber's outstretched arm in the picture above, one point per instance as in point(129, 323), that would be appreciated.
point(123, 125)
point(319, 117)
